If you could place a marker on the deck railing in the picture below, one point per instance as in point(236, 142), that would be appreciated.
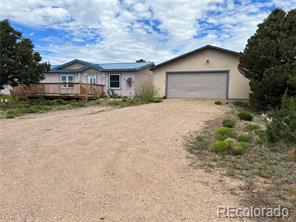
point(77, 90)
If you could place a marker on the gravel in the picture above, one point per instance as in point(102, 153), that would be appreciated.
point(102, 164)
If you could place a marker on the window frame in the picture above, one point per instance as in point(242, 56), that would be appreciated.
point(67, 84)
point(119, 79)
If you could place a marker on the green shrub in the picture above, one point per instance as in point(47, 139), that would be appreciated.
point(199, 143)
point(241, 104)
point(244, 138)
point(164, 97)
point(230, 123)
point(261, 136)
point(251, 127)
point(58, 102)
point(220, 147)
point(78, 104)
point(10, 116)
point(156, 100)
point(223, 133)
point(240, 148)
point(245, 116)
point(283, 124)
point(231, 142)
point(218, 102)
point(146, 94)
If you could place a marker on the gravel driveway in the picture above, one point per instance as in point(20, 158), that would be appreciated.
point(92, 164)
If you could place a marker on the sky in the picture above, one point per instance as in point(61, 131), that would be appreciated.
point(102, 31)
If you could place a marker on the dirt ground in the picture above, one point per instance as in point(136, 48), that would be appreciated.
point(97, 164)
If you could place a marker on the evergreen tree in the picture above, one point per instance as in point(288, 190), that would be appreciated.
point(269, 59)
point(19, 64)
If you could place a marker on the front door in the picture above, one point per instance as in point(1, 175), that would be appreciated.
point(91, 78)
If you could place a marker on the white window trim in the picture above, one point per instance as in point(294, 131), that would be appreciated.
point(67, 80)
point(115, 74)
point(95, 75)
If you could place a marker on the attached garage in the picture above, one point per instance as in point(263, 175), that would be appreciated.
point(211, 85)
point(208, 72)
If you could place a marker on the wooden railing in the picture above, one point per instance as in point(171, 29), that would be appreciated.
point(79, 90)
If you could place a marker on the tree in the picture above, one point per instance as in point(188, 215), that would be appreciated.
point(19, 64)
point(140, 60)
point(269, 59)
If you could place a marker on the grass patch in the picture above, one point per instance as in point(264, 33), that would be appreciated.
point(245, 116)
point(268, 170)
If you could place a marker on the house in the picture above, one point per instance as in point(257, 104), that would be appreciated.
point(81, 79)
point(207, 72)
point(124, 79)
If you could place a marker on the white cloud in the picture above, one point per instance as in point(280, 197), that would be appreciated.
point(111, 29)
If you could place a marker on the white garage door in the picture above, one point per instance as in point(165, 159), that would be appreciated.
point(197, 85)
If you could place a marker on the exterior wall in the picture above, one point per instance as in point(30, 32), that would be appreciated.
point(124, 90)
point(238, 84)
point(6, 90)
point(143, 78)
point(78, 77)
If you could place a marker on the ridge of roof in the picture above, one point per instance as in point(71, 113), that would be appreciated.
point(194, 51)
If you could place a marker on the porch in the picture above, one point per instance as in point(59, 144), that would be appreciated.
point(59, 90)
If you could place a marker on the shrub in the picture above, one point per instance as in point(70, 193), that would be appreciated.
point(283, 125)
point(10, 116)
point(156, 100)
point(164, 97)
point(245, 116)
point(146, 94)
point(244, 138)
point(231, 142)
point(57, 102)
point(241, 104)
point(223, 133)
point(261, 136)
point(251, 127)
point(218, 102)
point(199, 143)
point(230, 123)
point(220, 146)
point(78, 104)
point(240, 148)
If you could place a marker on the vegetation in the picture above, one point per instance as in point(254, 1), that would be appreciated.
point(268, 60)
point(241, 104)
point(245, 116)
point(282, 126)
point(230, 123)
point(223, 133)
point(220, 146)
point(19, 64)
point(246, 153)
point(10, 109)
point(218, 102)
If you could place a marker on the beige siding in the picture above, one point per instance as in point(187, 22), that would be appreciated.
point(124, 90)
point(238, 84)
point(143, 78)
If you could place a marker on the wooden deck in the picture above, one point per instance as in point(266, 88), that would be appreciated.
point(59, 90)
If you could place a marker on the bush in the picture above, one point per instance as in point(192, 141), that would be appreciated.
point(241, 104)
point(244, 138)
point(78, 104)
point(146, 94)
point(156, 100)
point(245, 116)
point(218, 102)
point(164, 97)
point(251, 127)
point(220, 147)
point(240, 148)
point(230, 123)
point(10, 116)
point(199, 143)
point(283, 125)
point(223, 133)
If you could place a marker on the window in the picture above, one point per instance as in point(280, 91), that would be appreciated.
point(67, 80)
point(114, 81)
point(91, 78)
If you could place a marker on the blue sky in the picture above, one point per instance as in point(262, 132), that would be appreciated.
point(127, 30)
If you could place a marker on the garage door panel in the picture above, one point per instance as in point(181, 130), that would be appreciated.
point(197, 85)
